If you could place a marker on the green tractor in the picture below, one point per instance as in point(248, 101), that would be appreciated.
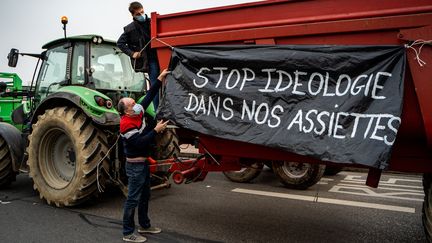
point(65, 127)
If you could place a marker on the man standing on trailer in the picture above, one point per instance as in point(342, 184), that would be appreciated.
point(135, 42)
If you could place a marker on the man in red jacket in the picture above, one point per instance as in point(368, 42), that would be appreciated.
point(137, 138)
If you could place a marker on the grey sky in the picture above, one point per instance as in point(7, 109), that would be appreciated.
point(27, 24)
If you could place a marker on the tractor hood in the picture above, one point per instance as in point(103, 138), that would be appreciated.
point(85, 99)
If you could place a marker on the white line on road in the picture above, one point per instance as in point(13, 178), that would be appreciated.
point(420, 192)
point(381, 184)
point(365, 191)
point(327, 200)
point(322, 183)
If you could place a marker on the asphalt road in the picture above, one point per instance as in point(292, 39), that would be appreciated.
point(338, 209)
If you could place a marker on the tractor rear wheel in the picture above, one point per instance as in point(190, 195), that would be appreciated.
point(66, 157)
point(7, 175)
point(246, 174)
point(298, 175)
point(167, 145)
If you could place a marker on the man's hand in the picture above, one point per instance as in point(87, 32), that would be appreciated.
point(161, 126)
point(136, 55)
point(162, 75)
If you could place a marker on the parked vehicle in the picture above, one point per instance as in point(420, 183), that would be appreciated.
point(65, 127)
point(336, 22)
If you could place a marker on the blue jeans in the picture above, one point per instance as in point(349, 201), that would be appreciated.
point(138, 195)
point(154, 71)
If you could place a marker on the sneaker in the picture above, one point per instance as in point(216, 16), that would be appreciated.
point(150, 230)
point(134, 238)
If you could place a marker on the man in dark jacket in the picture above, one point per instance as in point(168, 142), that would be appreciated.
point(137, 138)
point(135, 37)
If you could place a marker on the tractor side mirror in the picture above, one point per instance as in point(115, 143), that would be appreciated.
point(13, 57)
point(3, 87)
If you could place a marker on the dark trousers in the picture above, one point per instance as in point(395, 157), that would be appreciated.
point(154, 72)
point(138, 195)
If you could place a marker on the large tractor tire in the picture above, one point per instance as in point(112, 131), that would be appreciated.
point(65, 151)
point(167, 145)
point(298, 175)
point(427, 206)
point(246, 174)
point(7, 175)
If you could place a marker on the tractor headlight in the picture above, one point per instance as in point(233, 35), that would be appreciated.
point(97, 40)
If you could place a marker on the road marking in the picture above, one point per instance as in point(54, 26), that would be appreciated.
point(365, 191)
point(322, 183)
point(389, 181)
point(326, 200)
point(388, 188)
point(420, 192)
point(383, 184)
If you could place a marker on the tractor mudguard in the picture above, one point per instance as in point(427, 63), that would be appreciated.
point(150, 109)
point(15, 142)
point(83, 99)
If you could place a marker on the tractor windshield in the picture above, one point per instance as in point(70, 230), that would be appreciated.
point(111, 69)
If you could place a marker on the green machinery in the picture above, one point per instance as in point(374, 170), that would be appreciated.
point(64, 128)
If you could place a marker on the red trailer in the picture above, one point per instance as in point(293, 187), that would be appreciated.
point(335, 22)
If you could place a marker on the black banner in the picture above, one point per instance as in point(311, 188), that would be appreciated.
point(334, 103)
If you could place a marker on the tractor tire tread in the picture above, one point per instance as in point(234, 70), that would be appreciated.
point(89, 149)
point(7, 175)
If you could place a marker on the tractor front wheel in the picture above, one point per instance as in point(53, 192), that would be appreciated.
point(66, 157)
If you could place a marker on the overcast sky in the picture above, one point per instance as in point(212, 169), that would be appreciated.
point(28, 24)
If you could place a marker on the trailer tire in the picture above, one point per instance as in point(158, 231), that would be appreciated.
point(245, 174)
point(167, 144)
point(427, 207)
point(298, 175)
point(7, 175)
point(65, 151)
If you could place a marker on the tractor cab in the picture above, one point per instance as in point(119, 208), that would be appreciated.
point(68, 124)
point(88, 61)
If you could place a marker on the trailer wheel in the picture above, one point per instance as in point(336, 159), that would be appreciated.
point(7, 175)
point(246, 174)
point(167, 144)
point(64, 152)
point(298, 175)
point(427, 207)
